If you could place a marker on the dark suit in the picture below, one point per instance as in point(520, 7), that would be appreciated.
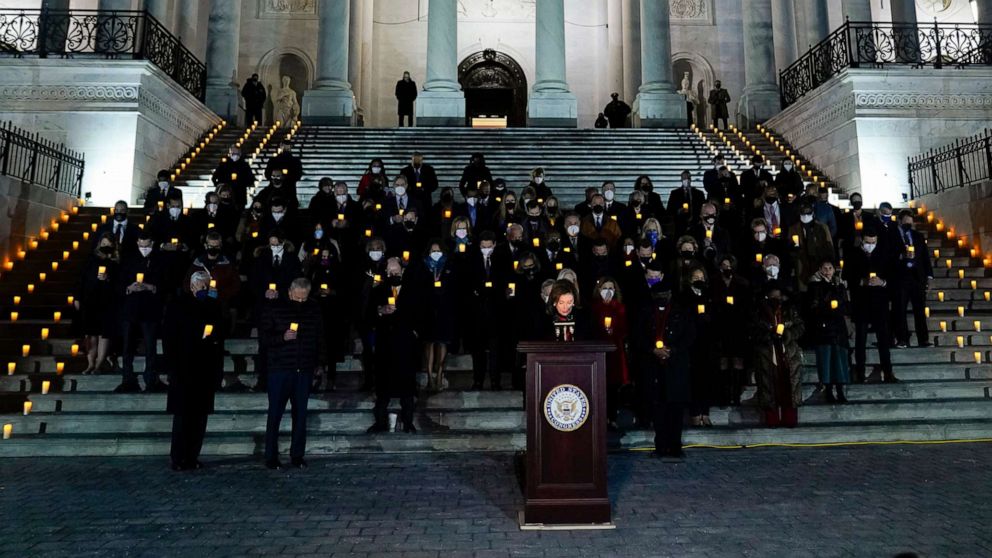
point(749, 183)
point(677, 210)
point(239, 175)
point(406, 94)
point(154, 195)
point(487, 288)
point(126, 237)
point(254, 95)
point(427, 178)
point(870, 307)
point(141, 309)
point(288, 162)
point(912, 273)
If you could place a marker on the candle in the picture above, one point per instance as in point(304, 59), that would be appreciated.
point(378, 207)
point(406, 255)
point(368, 233)
point(960, 341)
point(780, 329)
point(11, 367)
point(70, 299)
point(340, 216)
point(420, 184)
point(44, 334)
point(65, 255)
point(377, 279)
point(102, 270)
point(777, 231)
point(659, 344)
point(536, 242)
point(45, 386)
point(437, 284)
point(948, 263)
point(30, 288)
point(709, 234)
point(961, 274)
point(628, 263)
point(74, 350)
point(988, 296)
point(8, 431)
point(795, 239)
point(175, 241)
point(978, 326)
point(59, 368)
point(27, 407)
point(213, 283)
point(13, 316)
point(834, 304)
point(940, 296)
point(208, 330)
point(974, 285)
point(608, 322)
point(254, 234)
point(859, 226)
point(139, 278)
point(701, 309)
point(285, 171)
point(978, 357)
point(726, 201)
point(93, 227)
point(638, 216)
point(42, 277)
point(685, 207)
point(872, 275)
point(324, 287)
point(103, 221)
point(926, 311)
point(759, 258)
point(842, 264)
point(516, 264)
point(17, 300)
point(447, 214)
point(294, 326)
point(272, 286)
point(462, 248)
point(234, 176)
point(513, 288)
point(391, 301)
point(730, 300)
point(943, 327)
point(55, 266)
point(961, 311)
point(489, 284)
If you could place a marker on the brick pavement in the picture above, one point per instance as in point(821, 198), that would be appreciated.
point(863, 501)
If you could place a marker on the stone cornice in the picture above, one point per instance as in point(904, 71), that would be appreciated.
point(932, 101)
point(75, 93)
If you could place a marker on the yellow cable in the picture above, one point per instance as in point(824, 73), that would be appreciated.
point(830, 444)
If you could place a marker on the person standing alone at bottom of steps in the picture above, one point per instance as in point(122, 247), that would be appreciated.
point(196, 319)
point(292, 330)
point(406, 94)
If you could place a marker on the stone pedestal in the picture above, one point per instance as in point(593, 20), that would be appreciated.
point(440, 108)
point(759, 103)
point(554, 109)
point(660, 109)
point(328, 107)
point(224, 100)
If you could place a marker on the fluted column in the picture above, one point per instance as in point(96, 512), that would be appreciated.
point(442, 103)
point(784, 24)
point(857, 10)
point(817, 22)
point(984, 8)
point(657, 104)
point(631, 48)
point(761, 97)
point(904, 12)
point(551, 103)
point(159, 9)
point(223, 38)
point(331, 101)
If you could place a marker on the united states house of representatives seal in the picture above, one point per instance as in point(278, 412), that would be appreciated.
point(566, 408)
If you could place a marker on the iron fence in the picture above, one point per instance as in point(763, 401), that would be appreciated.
point(966, 161)
point(103, 34)
point(29, 157)
point(878, 45)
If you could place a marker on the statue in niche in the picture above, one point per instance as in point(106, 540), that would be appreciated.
point(690, 97)
point(285, 106)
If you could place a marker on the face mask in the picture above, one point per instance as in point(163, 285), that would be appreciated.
point(510, 204)
point(598, 209)
point(609, 195)
point(341, 199)
point(211, 207)
point(410, 225)
point(145, 250)
point(628, 249)
point(487, 252)
point(551, 208)
point(806, 218)
point(887, 217)
point(201, 294)
point(400, 191)
point(685, 182)
point(607, 294)
point(756, 167)
point(728, 273)
point(278, 216)
point(687, 254)
point(554, 245)
point(120, 217)
point(869, 248)
point(174, 212)
point(318, 234)
point(857, 204)
point(446, 198)
point(529, 271)
point(213, 251)
point(376, 170)
point(787, 166)
point(461, 233)
point(647, 188)
point(538, 179)
point(772, 271)
point(394, 280)
point(471, 201)
point(235, 158)
point(652, 281)
point(375, 255)
point(653, 235)
point(770, 200)
point(278, 250)
point(761, 236)
point(907, 227)
point(699, 285)
point(436, 256)
point(572, 230)
point(710, 219)
point(717, 164)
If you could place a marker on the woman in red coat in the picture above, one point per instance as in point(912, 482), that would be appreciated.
point(610, 324)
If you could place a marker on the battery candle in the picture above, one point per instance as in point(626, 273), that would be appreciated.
point(55, 266)
point(685, 207)
point(759, 258)
point(406, 255)
point(42, 276)
point(391, 301)
point(208, 330)
point(447, 214)
point(988, 296)
point(926, 311)
point(368, 233)
point(780, 329)
point(139, 278)
point(730, 300)
point(11, 368)
point(437, 284)
point(974, 285)
point(489, 284)
point(961, 311)
point(30, 288)
point(516, 264)
point(93, 227)
point(74, 350)
point(960, 341)
point(940, 296)
point(978, 357)
point(17, 300)
point(234, 176)
point(701, 309)
point(608, 322)
point(44, 334)
point(961, 274)
point(659, 344)
point(8, 431)
point(512, 287)
point(294, 326)
point(45, 387)
point(59, 368)
point(420, 184)
point(536, 242)
point(834, 304)
point(65, 255)
point(27, 407)
point(70, 299)
point(86, 236)
point(340, 216)
point(709, 234)
point(285, 171)
point(461, 248)
point(859, 226)
point(948, 263)
point(943, 327)
point(377, 279)
point(13, 316)
point(872, 275)
point(57, 316)
point(272, 286)
point(978, 326)
point(103, 221)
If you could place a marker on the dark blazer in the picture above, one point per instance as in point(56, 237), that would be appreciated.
point(245, 179)
point(427, 179)
point(143, 306)
point(155, 194)
point(126, 245)
point(288, 161)
point(865, 299)
point(199, 360)
point(913, 266)
point(306, 352)
point(676, 202)
point(750, 180)
point(265, 273)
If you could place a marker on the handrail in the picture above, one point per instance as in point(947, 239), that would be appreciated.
point(964, 162)
point(31, 158)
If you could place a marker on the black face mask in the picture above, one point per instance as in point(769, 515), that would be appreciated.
point(213, 252)
point(120, 217)
point(446, 198)
point(107, 250)
point(699, 285)
point(394, 280)
point(709, 219)
point(857, 204)
point(598, 209)
point(770, 199)
point(907, 226)
point(687, 254)
point(516, 243)
point(728, 273)
point(410, 225)
point(511, 205)
point(554, 245)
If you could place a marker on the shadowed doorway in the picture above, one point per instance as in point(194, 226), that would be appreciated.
point(494, 86)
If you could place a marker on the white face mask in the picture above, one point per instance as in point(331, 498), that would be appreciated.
point(806, 218)
point(772, 271)
point(145, 250)
point(487, 252)
point(278, 216)
point(341, 199)
point(235, 157)
point(400, 191)
point(376, 170)
point(436, 256)
point(628, 249)
point(538, 179)
point(163, 184)
point(607, 294)
point(461, 233)
point(685, 183)
point(278, 250)
point(375, 255)
point(762, 236)
point(869, 248)
point(609, 195)
point(175, 211)
point(470, 201)
point(787, 166)
point(573, 230)
point(318, 234)
point(211, 207)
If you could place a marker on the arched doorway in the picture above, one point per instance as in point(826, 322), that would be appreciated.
point(697, 69)
point(279, 63)
point(494, 85)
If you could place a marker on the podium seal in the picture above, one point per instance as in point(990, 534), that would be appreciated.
point(566, 408)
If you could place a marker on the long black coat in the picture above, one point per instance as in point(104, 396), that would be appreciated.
point(397, 358)
point(98, 312)
point(678, 334)
point(199, 360)
point(826, 325)
point(307, 351)
point(406, 94)
point(224, 174)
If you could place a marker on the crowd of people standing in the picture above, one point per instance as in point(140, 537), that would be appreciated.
point(704, 293)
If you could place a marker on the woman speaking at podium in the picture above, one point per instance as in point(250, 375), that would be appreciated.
point(565, 321)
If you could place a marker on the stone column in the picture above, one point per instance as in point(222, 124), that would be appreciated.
point(114, 5)
point(657, 104)
point(984, 11)
point(784, 24)
point(331, 102)
point(551, 103)
point(187, 16)
point(761, 98)
point(817, 22)
point(442, 102)
point(631, 48)
point(355, 40)
point(857, 10)
point(614, 38)
point(159, 9)
point(904, 12)
point(223, 41)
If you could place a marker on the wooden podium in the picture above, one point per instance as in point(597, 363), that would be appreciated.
point(565, 404)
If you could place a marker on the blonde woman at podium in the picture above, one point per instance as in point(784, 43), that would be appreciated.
point(565, 322)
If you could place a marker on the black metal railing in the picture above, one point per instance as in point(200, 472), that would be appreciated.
point(103, 34)
point(877, 45)
point(966, 161)
point(31, 158)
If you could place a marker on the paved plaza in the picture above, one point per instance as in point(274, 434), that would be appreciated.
point(850, 501)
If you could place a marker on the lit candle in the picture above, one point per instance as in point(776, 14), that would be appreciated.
point(940, 296)
point(17, 300)
point(859, 226)
point(834, 304)
point(978, 357)
point(872, 275)
point(65, 255)
point(8, 431)
point(489, 284)
point(93, 227)
point(726, 201)
point(974, 285)
point(11, 368)
point(437, 284)
point(234, 176)
point(701, 309)
point(795, 239)
point(139, 278)
point(842, 264)
point(988, 296)
point(272, 286)
point(59, 368)
point(961, 311)
point(961, 274)
point(377, 279)
point(103, 221)
point(639, 216)
point(628, 263)
point(948, 263)
point(294, 326)
point(13, 316)
point(777, 231)
point(406, 255)
point(730, 300)
point(57, 316)
point(70, 299)
point(44, 334)
point(27, 407)
point(45, 386)
point(368, 233)
point(74, 350)
point(391, 301)
point(685, 207)
point(759, 258)
point(42, 276)
point(340, 216)
point(926, 311)
point(780, 329)
point(709, 234)
point(516, 264)
point(512, 288)
point(208, 330)
point(285, 171)
point(943, 327)
point(30, 288)
point(102, 270)
point(462, 248)
point(536, 242)
point(254, 234)
point(378, 207)
point(608, 322)
point(978, 326)
point(659, 344)
point(447, 214)
point(175, 241)
point(161, 205)
point(420, 185)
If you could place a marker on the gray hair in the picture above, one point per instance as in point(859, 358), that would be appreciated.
point(300, 283)
point(199, 279)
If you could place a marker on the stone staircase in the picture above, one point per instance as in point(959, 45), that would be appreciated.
point(573, 159)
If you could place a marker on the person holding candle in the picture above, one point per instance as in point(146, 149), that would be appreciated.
point(505, 214)
point(460, 235)
point(684, 202)
point(487, 284)
point(322, 206)
point(394, 311)
point(637, 213)
point(275, 266)
point(851, 224)
point(284, 217)
point(524, 313)
point(913, 274)
point(95, 299)
point(652, 201)
point(367, 276)
point(421, 178)
point(142, 311)
point(124, 233)
point(814, 244)
point(609, 319)
point(662, 247)
point(687, 258)
point(199, 358)
point(778, 357)
point(288, 167)
point(224, 286)
point(827, 307)
point(237, 173)
point(730, 296)
point(789, 181)
point(157, 197)
point(292, 329)
point(436, 284)
point(868, 271)
point(174, 233)
point(703, 360)
point(756, 180)
point(563, 321)
point(710, 234)
point(597, 225)
point(345, 224)
point(215, 216)
point(553, 255)
point(476, 171)
point(330, 285)
point(754, 252)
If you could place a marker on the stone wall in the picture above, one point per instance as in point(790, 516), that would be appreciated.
point(861, 127)
point(26, 209)
point(968, 210)
point(127, 117)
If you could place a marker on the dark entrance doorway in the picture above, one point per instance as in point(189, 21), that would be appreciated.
point(494, 85)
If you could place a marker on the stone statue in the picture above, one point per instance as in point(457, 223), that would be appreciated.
point(686, 90)
point(285, 106)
